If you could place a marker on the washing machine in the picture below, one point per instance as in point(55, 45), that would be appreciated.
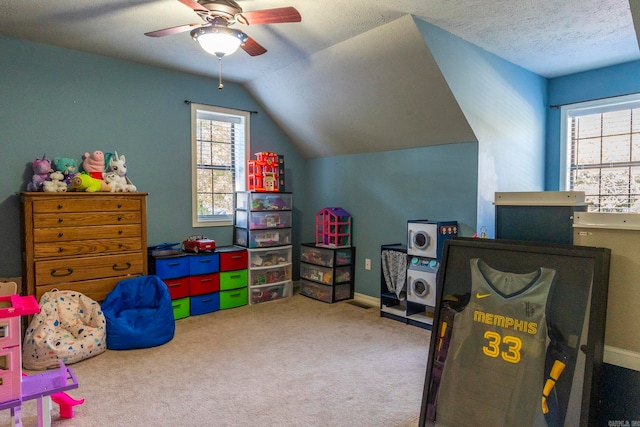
point(426, 238)
point(422, 281)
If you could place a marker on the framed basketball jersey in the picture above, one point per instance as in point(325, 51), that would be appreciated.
point(518, 335)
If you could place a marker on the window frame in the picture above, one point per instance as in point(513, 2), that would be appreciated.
point(241, 168)
point(595, 106)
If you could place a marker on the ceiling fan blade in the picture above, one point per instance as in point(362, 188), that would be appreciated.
point(252, 47)
point(172, 30)
point(192, 4)
point(269, 16)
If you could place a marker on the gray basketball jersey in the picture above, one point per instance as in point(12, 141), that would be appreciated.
point(494, 370)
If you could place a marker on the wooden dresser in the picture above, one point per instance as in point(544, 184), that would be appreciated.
point(86, 242)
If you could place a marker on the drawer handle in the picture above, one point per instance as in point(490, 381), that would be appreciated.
point(115, 267)
point(173, 285)
point(120, 231)
point(205, 280)
point(171, 264)
point(207, 300)
point(60, 206)
point(120, 245)
point(60, 234)
point(120, 218)
point(177, 305)
point(60, 220)
point(236, 295)
point(205, 260)
point(235, 276)
point(237, 257)
point(60, 249)
point(119, 205)
point(66, 272)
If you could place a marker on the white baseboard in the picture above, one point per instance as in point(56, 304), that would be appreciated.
point(367, 300)
point(621, 357)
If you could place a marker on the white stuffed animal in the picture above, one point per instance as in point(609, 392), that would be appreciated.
point(56, 185)
point(118, 165)
point(118, 183)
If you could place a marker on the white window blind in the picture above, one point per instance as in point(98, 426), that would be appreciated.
point(603, 152)
point(220, 139)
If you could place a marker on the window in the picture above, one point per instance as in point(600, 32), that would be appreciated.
point(219, 143)
point(602, 155)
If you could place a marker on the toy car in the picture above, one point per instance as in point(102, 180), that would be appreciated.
point(199, 243)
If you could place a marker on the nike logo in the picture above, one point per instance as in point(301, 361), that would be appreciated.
point(480, 296)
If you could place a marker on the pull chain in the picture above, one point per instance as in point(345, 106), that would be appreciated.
point(220, 85)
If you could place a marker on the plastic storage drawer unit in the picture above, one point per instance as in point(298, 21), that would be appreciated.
point(207, 303)
point(233, 298)
point(171, 267)
point(246, 200)
point(326, 293)
point(180, 308)
point(178, 288)
point(203, 264)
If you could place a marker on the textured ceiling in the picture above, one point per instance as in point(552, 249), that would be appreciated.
point(344, 49)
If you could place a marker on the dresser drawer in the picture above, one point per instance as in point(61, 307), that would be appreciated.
point(204, 284)
point(86, 204)
point(236, 260)
point(202, 304)
point(65, 234)
point(86, 268)
point(233, 279)
point(234, 298)
point(96, 289)
point(170, 267)
point(79, 219)
point(203, 264)
point(178, 288)
point(85, 247)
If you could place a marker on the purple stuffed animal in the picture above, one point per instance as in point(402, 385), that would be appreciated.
point(41, 171)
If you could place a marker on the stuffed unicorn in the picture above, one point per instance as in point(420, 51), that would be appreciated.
point(116, 169)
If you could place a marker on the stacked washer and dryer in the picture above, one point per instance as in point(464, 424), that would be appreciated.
point(425, 243)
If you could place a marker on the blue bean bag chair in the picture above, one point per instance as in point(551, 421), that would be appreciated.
point(139, 314)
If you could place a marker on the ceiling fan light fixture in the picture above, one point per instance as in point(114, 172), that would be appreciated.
point(219, 41)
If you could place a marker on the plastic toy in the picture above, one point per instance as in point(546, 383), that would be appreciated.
point(262, 174)
point(84, 182)
point(66, 165)
point(16, 388)
point(56, 183)
point(333, 228)
point(66, 403)
point(198, 243)
point(41, 171)
point(93, 164)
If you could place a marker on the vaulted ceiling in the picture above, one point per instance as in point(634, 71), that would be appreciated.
point(353, 76)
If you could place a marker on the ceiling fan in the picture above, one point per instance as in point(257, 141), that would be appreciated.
point(216, 36)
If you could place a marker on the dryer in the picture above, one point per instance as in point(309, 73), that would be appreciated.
point(426, 238)
point(422, 281)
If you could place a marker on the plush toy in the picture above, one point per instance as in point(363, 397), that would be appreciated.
point(118, 165)
point(56, 183)
point(93, 163)
point(118, 183)
point(41, 170)
point(85, 182)
point(66, 165)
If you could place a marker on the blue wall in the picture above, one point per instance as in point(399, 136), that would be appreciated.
point(61, 102)
point(605, 82)
point(382, 191)
point(506, 108)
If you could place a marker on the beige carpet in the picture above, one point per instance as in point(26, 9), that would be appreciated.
point(294, 362)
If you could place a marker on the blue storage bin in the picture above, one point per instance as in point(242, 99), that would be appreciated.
point(204, 264)
point(201, 304)
point(171, 267)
